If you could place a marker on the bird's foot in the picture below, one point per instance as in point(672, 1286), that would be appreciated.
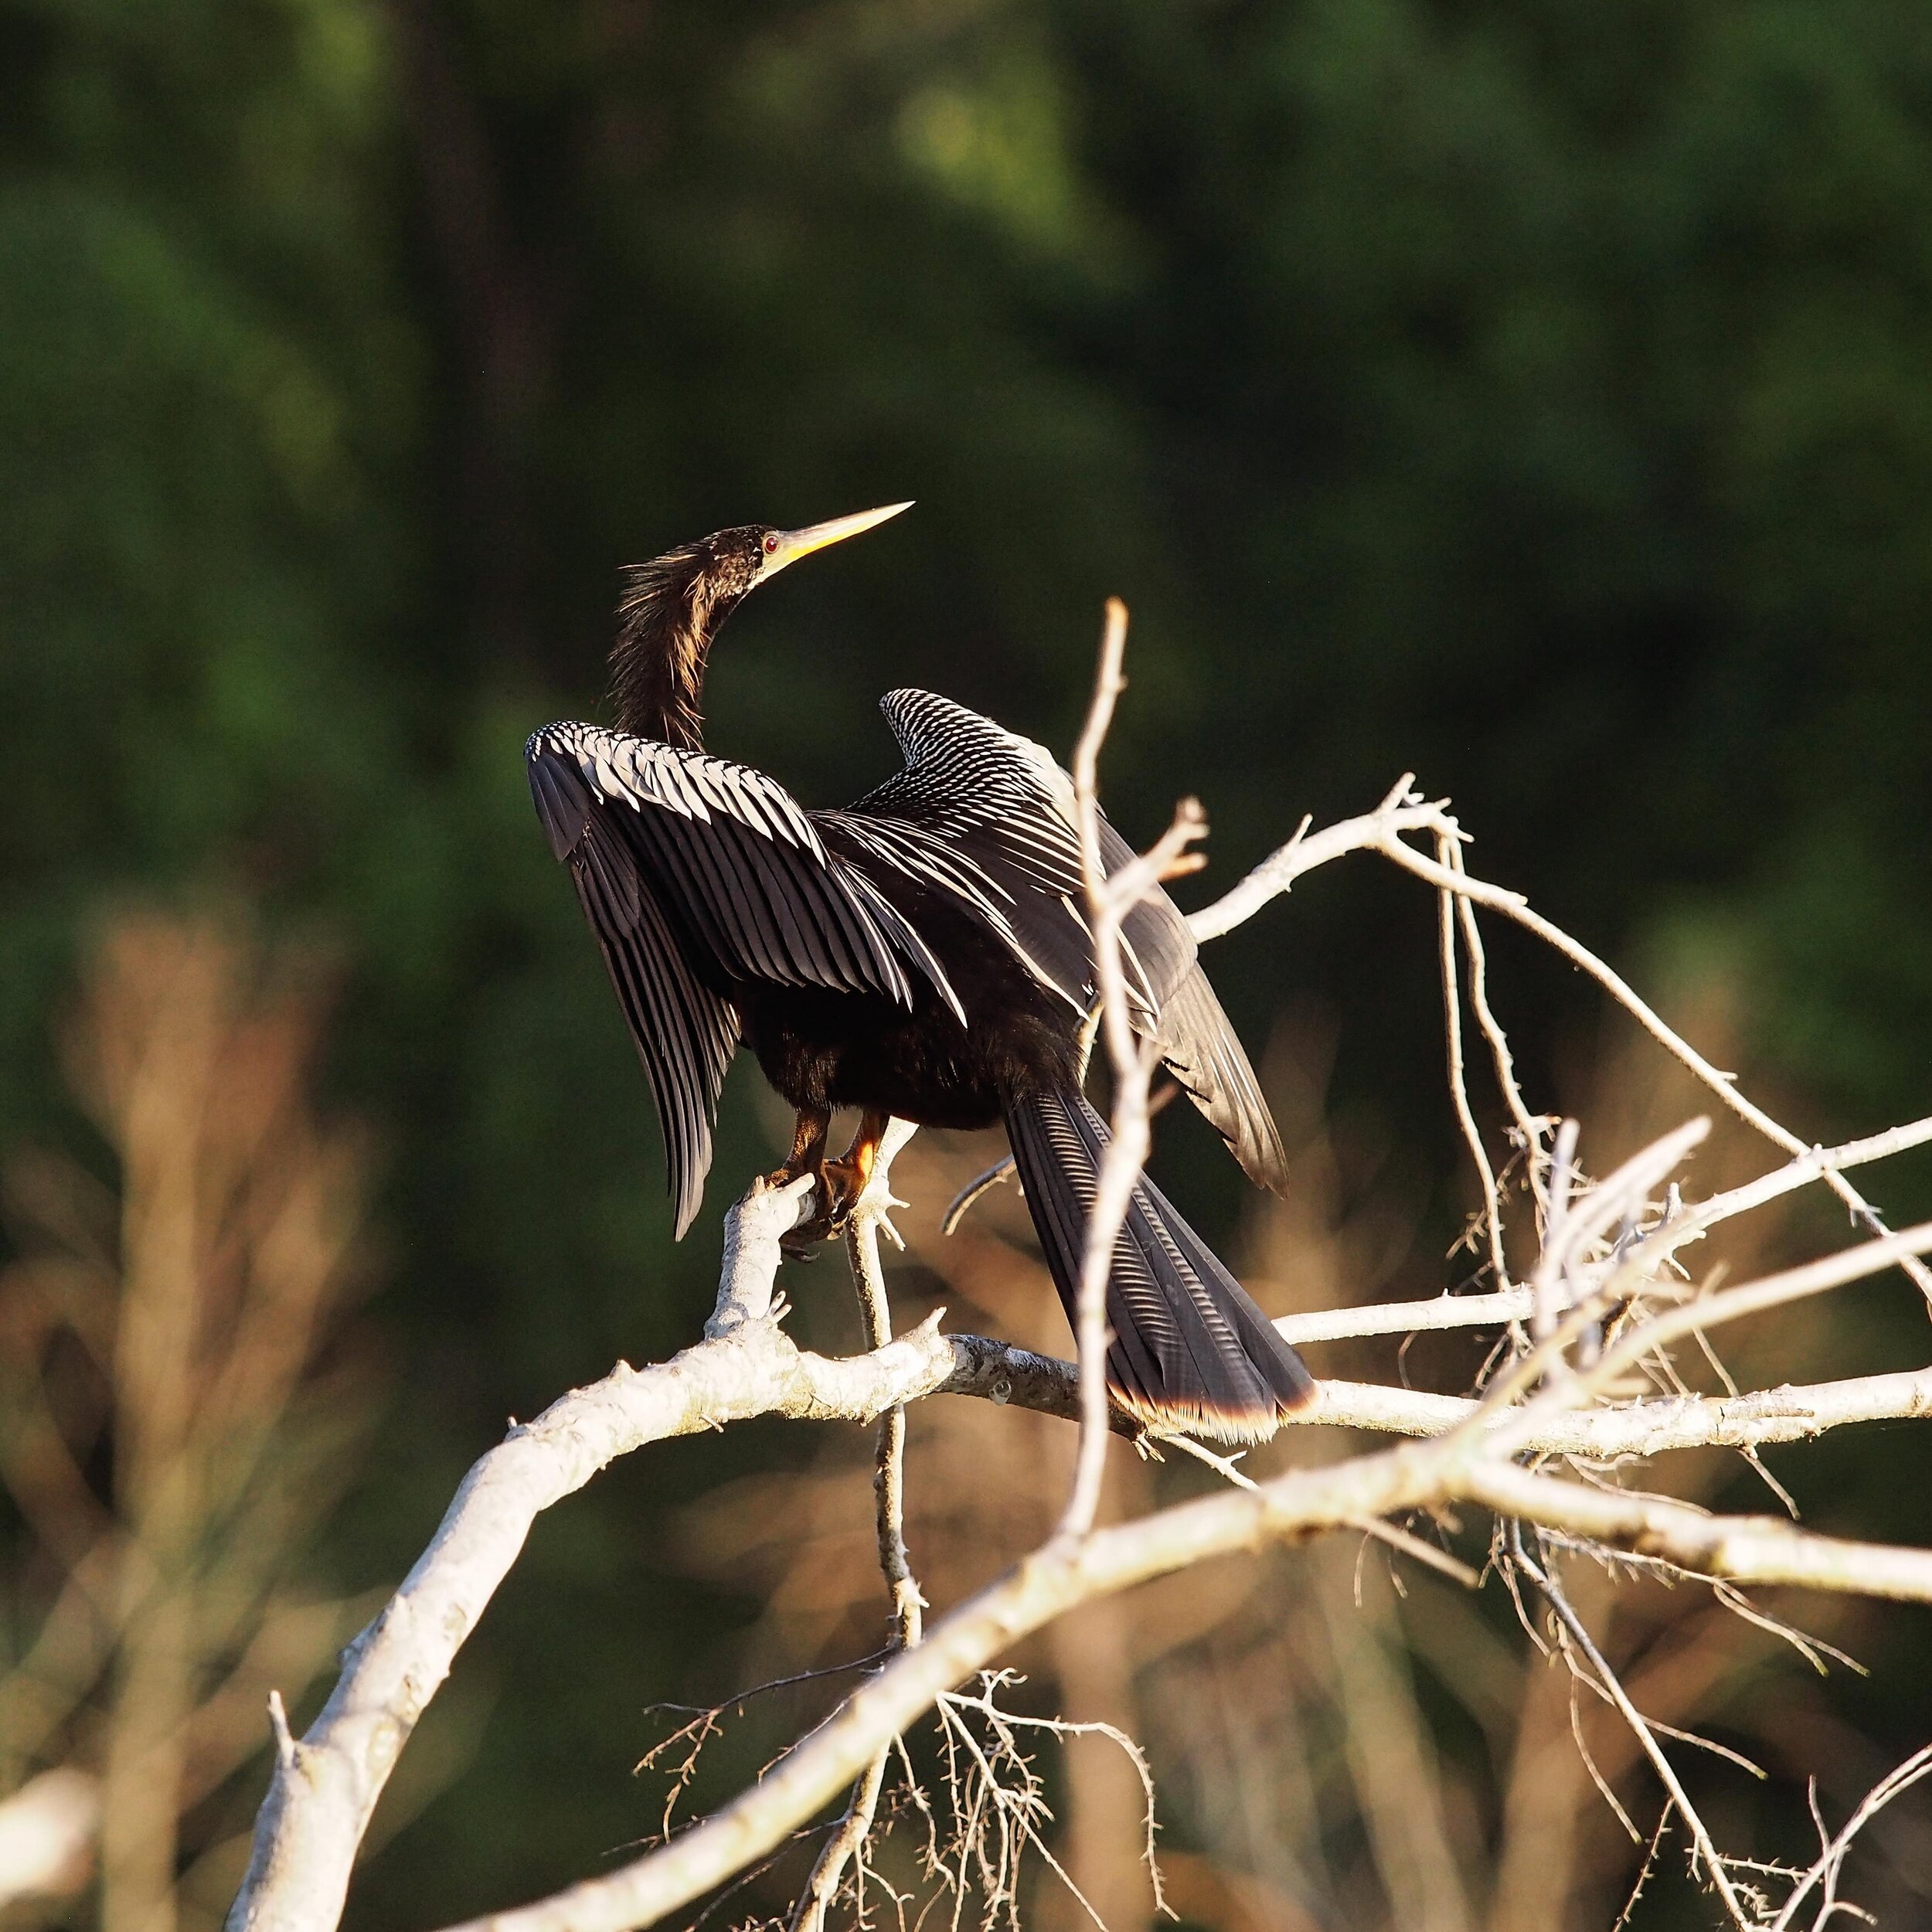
point(840, 1184)
point(808, 1156)
point(805, 1242)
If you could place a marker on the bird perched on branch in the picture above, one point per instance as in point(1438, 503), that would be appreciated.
point(924, 953)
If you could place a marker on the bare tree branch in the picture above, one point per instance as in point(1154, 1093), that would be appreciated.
point(907, 1621)
point(1109, 900)
point(325, 1786)
point(1067, 1572)
point(1381, 832)
point(1400, 811)
point(1644, 1428)
point(1744, 1549)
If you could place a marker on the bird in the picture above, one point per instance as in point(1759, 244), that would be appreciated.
point(923, 953)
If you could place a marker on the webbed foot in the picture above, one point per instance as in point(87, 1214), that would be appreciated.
point(840, 1182)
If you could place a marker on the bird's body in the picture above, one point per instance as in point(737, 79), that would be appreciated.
point(826, 1051)
point(922, 952)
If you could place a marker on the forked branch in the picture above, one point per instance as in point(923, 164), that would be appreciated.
point(1606, 1257)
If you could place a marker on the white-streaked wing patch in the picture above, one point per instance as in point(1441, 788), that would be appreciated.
point(684, 1034)
point(984, 813)
point(694, 872)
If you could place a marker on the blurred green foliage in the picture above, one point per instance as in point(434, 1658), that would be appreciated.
point(1533, 393)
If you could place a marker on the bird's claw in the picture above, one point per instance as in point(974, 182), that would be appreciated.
point(827, 1223)
point(842, 1186)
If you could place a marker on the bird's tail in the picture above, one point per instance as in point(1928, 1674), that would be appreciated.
point(1189, 1350)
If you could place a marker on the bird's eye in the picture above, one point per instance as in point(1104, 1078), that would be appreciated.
point(771, 542)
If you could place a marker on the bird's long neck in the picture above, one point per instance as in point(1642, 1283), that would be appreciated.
point(666, 620)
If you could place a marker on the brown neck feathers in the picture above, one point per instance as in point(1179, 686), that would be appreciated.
point(666, 619)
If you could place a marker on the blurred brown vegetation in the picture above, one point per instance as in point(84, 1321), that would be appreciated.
point(179, 1414)
point(1340, 1738)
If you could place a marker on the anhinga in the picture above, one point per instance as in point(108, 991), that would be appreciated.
point(923, 953)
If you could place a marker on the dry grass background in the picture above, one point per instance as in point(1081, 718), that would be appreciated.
point(178, 1414)
point(1340, 1738)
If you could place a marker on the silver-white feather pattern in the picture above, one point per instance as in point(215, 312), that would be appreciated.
point(684, 862)
point(697, 874)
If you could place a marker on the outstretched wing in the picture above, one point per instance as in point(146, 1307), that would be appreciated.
point(696, 875)
point(685, 1033)
point(977, 799)
point(984, 789)
point(987, 814)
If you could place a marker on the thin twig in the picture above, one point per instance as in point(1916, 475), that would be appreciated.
point(1607, 1681)
point(1446, 903)
point(1526, 1127)
point(1900, 1778)
point(1724, 1085)
point(905, 1623)
point(1126, 1150)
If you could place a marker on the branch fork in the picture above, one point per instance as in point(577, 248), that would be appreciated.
point(1603, 1253)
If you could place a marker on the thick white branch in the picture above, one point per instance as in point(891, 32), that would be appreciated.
point(1641, 1429)
point(1067, 1572)
point(1790, 1413)
point(325, 1787)
point(1745, 1550)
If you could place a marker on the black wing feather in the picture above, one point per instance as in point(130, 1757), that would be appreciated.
point(696, 875)
point(684, 1034)
point(987, 796)
point(1200, 1048)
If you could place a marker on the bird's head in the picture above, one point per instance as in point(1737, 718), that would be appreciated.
point(672, 607)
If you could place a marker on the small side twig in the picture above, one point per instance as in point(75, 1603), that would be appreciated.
point(1824, 1874)
point(1491, 1218)
point(906, 1617)
point(1606, 1681)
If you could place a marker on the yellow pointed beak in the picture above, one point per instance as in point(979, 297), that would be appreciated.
point(793, 544)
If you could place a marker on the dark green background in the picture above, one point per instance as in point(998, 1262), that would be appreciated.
point(1535, 396)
